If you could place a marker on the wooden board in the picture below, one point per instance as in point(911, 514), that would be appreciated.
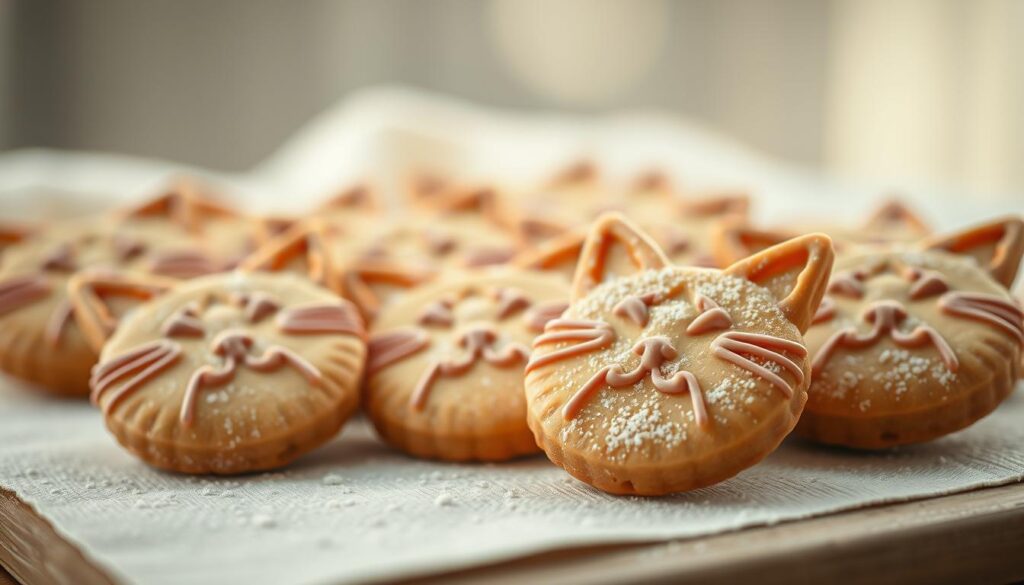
point(975, 536)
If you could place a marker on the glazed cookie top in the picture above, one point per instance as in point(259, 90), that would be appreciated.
point(461, 343)
point(231, 358)
point(658, 363)
point(916, 328)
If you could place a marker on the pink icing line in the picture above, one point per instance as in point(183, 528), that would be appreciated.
point(184, 264)
point(58, 322)
point(594, 335)
point(653, 352)
point(23, 290)
point(510, 300)
point(184, 323)
point(438, 313)
point(61, 259)
point(732, 346)
point(885, 317)
point(138, 365)
point(315, 319)
point(479, 346)
point(1000, 313)
point(387, 348)
point(826, 311)
point(849, 283)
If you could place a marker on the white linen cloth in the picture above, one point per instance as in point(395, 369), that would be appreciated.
point(356, 510)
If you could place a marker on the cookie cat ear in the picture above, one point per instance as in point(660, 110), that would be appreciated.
point(185, 203)
point(303, 249)
point(558, 255)
point(895, 215)
point(370, 286)
point(795, 271)
point(614, 247)
point(355, 198)
point(733, 241)
point(101, 299)
point(997, 246)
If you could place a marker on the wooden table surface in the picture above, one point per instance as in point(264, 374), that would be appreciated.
point(976, 536)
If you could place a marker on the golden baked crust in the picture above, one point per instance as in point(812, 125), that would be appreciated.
point(445, 375)
point(231, 373)
point(669, 378)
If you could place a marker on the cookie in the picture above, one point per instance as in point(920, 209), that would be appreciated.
point(231, 373)
point(662, 378)
point(445, 373)
point(892, 222)
point(913, 344)
point(682, 226)
point(40, 339)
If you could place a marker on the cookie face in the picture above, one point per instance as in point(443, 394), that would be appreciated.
point(40, 339)
point(445, 373)
point(911, 345)
point(671, 378)
point(231, 373)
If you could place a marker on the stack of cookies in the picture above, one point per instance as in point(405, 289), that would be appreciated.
point(648, 341)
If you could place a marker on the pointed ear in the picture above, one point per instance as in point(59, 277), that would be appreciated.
point(894, 215)
point(12, 233)
point(101, 299)
point(303, 249)
point(373, 285)
point(732, 241)
point(795, 271)
point(355, 198)
point(997, 246)
point(184, 203)
point(614, 247)
point(560, 255)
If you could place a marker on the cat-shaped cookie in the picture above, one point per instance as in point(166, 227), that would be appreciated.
point(663, 378)
point(911, 344)
point(445, 372)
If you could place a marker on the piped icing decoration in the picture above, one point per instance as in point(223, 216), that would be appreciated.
point(849, 283)
point(1003, 314)
point(234, 346)
point(591, 335)
point(321, 318)
point(711, 318)
point(58, 323)
point(131, 370)
point(438, 243)
point(184, 323)
point(183, 264)
point(127, 248)
point(826, 311)
point(61, 259)
point(636, 308)
point(479, 345)
point(927, 283)
point(256, 305)
point(385, 349)
point(438, 314)
point(654, 352)
point(885, 318)
point(540, 315)
point(17, 292)
point(489, 256)
point(510, 301)
point(735, 346)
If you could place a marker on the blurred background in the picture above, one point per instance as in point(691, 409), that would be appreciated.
point(925, 89)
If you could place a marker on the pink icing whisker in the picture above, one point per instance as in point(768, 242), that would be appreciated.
point(733, 346)
point(138, 365)
point(385, 349)
point(594, 335)
point(1003, 314)
point(22, 290)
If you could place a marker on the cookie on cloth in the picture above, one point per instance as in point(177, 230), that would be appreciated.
point(912, 344)
point(892, 222)
point(231, 373)
point(40, 339)
point(682, 224)
point(445, 372)
point(662, 378)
